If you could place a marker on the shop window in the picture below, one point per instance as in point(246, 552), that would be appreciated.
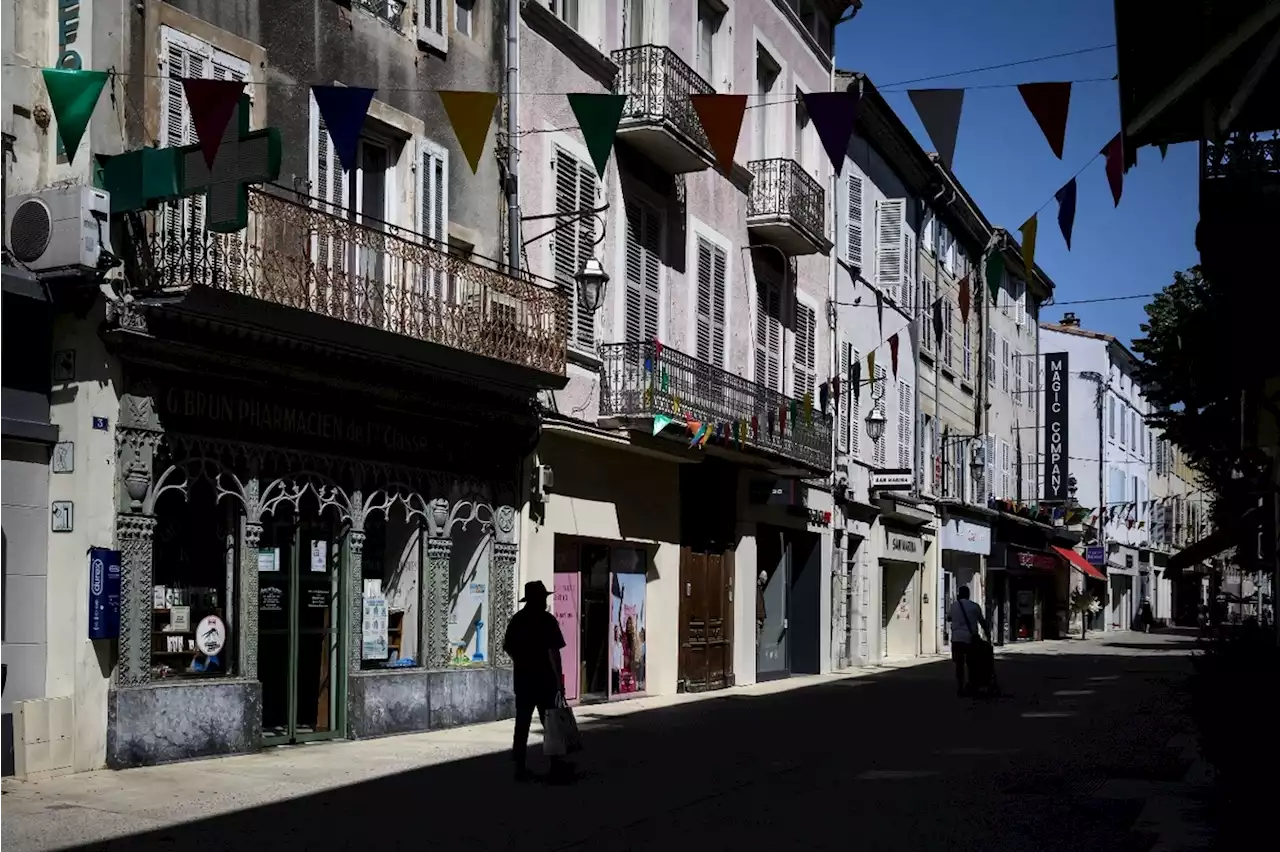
point(194, 577)
point(469, 563)
point(392, 568)
point(600, 602)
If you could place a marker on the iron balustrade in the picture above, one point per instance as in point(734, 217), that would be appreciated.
point(1242, 155)
point(307, 254)
point(641, 380)
point(658, 84)
point(782, 189)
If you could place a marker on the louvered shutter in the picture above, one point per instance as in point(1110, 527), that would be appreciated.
point(575, 239)
point(904, 424)
point(842, 404)
point(805, 350)
point(889, 262)
point(878, 452)
point(711, 283)
point(229, 249)
point(1004, 364)
point(989, 469)
point(433, 217)
point(907, 292)
point(183, 221)
point(926, 315)
point(855, 415)
point(1017, 379)
point(432, 20)
point(768, 334)
point(948, 312)
point(644, 229)
point(853, 224)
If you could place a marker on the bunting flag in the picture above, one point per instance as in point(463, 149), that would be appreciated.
point(871, 370)
point(470, 114)
point(939, 111)
point(937, 322)
point(964, 300)
point(782, 419)
point(755, 426)
point(833, 115)
point(995, 275)
point(660, 422)
point(1164, 149)
point(1049, 104)
point(696, 428)
point(769, 416)
point(211, 103)
point(855, 380)
point(1114, 152)
point(1028, 231)
point(880, 310)
point(795, 413)
point(824, 396)
point(893, 353)
point(721, 117)
point(73, 96)
point(598, 117)
point(835, 389)
point(343, 110)
point(808, 408)
point(1066, 209)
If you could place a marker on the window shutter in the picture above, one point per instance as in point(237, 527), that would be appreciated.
point(853, 225)
point(1004, 364)
point(574, 242)
point(991, 357)
point(644, 235)
point(907, 292)
point(926, 316)
point(855, 404)
point(842, 404)
point(1017, 379)
point(878, 456)
point(989, 468)
point(433, 215)
point(769, 334)
point(805, 351)
point(432, 18)
point(889, 263)
point(948, 339)
point(904, 424)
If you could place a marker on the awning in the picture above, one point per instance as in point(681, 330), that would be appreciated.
point(1078, 562)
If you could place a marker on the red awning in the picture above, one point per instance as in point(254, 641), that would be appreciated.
point(1077, 561)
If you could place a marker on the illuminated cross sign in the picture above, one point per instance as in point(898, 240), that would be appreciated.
point(137, 180)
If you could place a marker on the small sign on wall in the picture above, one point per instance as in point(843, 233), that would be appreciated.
point(64, 457)
point(63, 516)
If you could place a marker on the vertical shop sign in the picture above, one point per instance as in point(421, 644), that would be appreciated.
point(1056, 473)
point(567, 601)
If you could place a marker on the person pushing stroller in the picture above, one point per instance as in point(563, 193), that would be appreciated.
point(968, 648)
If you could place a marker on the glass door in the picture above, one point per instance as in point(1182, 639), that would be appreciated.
point(300, 660)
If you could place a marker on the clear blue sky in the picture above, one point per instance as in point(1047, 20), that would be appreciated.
point(1005, 163)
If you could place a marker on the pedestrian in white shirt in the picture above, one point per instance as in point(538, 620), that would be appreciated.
point(966, 617)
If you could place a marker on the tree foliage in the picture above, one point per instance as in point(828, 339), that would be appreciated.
point(1194, 397)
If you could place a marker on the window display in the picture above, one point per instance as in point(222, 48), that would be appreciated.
point(626, 611)
point(392, 567)
point(194, 575)
point(469, 565)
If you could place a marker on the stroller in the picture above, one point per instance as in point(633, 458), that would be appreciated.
point(982, 669)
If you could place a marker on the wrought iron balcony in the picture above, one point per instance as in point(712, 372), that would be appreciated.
point(1242, 155)
point(787, 207)
point(640, 380)
point(658, 117)
point(302, 253)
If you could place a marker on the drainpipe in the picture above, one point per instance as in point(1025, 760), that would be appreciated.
point(513, 125)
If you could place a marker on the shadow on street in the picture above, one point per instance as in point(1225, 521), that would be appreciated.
point(893, 761)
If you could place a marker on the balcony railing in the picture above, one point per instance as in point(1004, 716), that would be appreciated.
point(640, 380)
point(1243, 155)
point(782, 191)
point(658, 84)
point(305, 254)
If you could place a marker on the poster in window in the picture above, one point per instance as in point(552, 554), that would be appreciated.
point(626, 620)
point(374, 644)
point(567, 603)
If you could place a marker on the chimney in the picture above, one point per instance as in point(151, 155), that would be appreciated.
point(1070, 320)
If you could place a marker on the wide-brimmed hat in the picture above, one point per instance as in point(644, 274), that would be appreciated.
point(534, 589)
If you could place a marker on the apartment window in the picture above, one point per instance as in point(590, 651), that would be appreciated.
point(1111, 417)
point(1124, 427)
point(805, 351)
point(991, 357)
point(710, 17)
point(854, 397)
point(636, 22)
point(948, 338)
point(1017, 379)
point(842, 402)
point(926, 318)
point(853, 224)
point(463, 12)
point(968, 352)
point(432, 24)
point(767, 73)
point(1004, 364)
point(1019, 302)
point(644, 273)
point(565, 10)
point(574, 241)
point(712, 292)
point(1006, 471)
point(768, 330)
point(890, 264)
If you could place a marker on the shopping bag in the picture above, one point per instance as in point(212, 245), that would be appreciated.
point(560, 735)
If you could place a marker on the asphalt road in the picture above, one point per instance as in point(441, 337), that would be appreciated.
point(893, 761)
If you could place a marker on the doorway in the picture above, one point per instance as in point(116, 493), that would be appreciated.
point(901, 612)
point(773, 594)
point(300, 641)
point(706, 620)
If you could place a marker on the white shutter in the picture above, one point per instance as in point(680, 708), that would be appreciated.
point(879, 450)
point(889, 262)
point(989, 469)
point(853, 224)
point(328, 188)
point(855, 404)
point(948, 312)
point(768, 334)
point(574, 241)
point(432, 22)
point(1004, 364)
point(805, 350)
point(926, 315)
point(907, 292)
point(904, 424)
point(644, 235)
point(842, 404)
point(433, 214)
point(1017, 379)
point(712, 291)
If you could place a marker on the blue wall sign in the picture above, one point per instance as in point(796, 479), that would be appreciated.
point(104, 593)
point(1095, 555)
point(100, 423)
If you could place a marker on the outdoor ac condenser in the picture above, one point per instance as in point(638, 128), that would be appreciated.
point(61, 229)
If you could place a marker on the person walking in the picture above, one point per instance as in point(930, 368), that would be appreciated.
point(966, 617)
point(533, 642)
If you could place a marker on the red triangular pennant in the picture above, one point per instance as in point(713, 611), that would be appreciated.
point(721, 117)
point(212, 103)
point(964, 300)
point(893, 354)
point(1114, 152)
point(1049, 104)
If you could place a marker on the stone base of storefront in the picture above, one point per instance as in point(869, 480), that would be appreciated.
point(381, 704)
point(166, 722)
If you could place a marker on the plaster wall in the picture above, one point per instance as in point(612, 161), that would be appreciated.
point(25, 482)
point(1013, 417)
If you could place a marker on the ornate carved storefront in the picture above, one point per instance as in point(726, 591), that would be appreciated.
point(245, 520)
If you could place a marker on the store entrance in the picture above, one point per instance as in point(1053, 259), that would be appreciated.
point(300, 643)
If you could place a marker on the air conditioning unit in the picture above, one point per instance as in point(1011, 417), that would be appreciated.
point(977, 453)
point(58, 229)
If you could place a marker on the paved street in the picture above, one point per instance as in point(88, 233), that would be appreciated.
point(1086, 752)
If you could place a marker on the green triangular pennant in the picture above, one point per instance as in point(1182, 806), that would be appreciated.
point(995, 275)
point(73, 94)
point(598, 117)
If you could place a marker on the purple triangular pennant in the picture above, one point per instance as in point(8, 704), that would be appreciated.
point(833, 115)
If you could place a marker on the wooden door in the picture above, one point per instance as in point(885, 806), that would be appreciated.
point(706, 620)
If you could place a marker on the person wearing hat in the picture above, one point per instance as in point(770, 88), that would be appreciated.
point(533, 642)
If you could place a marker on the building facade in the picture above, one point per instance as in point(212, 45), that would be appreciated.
point(687, 536)
point(1179, 517)
point(305, 440)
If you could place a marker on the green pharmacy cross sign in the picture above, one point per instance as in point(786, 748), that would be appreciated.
point(138, 180)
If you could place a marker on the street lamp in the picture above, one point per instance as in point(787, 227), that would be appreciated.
point(592, 282)
point(875, 424)
point(1072, 488)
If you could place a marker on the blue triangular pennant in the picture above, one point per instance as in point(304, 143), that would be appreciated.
point(343, 109)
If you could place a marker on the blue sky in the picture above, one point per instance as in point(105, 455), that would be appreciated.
point(1002, 157)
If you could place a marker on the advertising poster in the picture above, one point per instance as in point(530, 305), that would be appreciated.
point(627, 645)
point(567, 600)
point(374, 645)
